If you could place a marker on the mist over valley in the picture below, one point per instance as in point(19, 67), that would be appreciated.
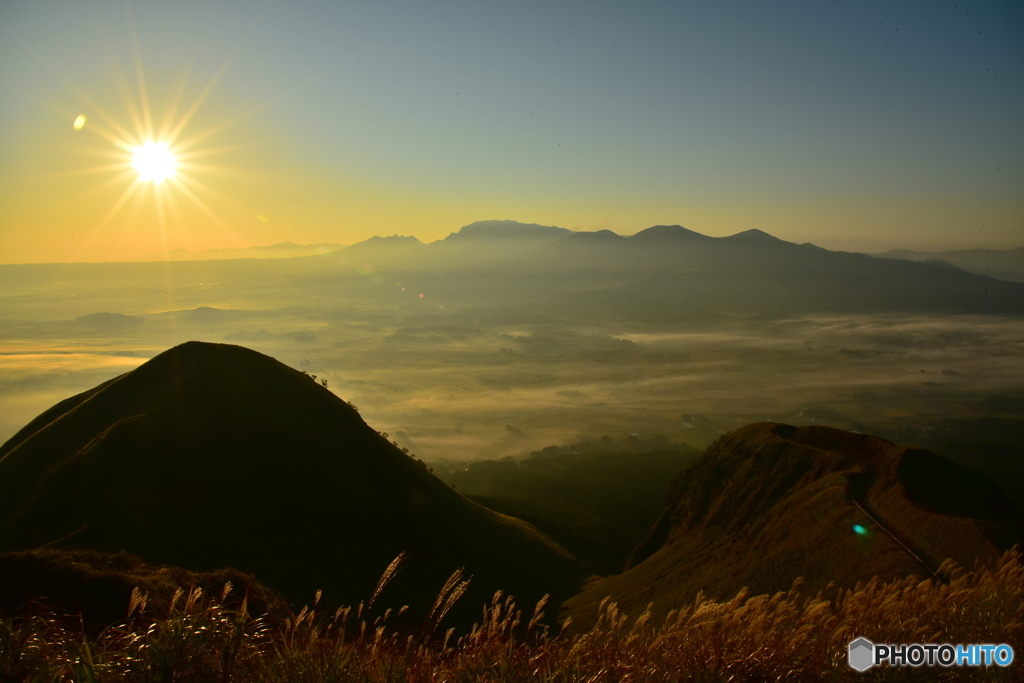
point(523, 341)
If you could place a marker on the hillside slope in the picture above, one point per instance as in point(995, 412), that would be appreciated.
point(770, 502)
point(211, 455)
point(94, 588)
point(1005, 264)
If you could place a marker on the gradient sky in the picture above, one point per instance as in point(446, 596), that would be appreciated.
point(853, 125)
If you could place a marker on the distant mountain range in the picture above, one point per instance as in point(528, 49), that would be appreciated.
point(769, 503)
point(670, 270)
point(664, 273)
point(211, 455)
point(1005, 264)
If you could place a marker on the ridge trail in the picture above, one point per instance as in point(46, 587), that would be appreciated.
point(856, 488)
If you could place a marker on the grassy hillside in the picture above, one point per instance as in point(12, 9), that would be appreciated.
point(770, 503)
point(92, 588)
point(212, 455)
point(790, 636)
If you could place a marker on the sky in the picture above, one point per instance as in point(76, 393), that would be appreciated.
point(854, 125)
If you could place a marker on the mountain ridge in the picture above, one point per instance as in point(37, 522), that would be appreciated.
point(770, 502)
point(212, 455)
point(1004, 264)
point(664, 273)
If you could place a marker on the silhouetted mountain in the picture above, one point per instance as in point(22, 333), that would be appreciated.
point(599, 236)
point(770, 502)
point(668, 271)
point(752, 234)
point(213, 455)
point(662, 233)
point(479, 243)
point(386, 248)
point(486, 245)
point(506, 230)
point(665, 273)
point(1005, 264)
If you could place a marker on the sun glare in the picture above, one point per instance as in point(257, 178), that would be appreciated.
point(153, 150)
point(154, 161)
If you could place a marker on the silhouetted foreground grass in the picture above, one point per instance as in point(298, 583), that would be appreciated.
point(784, 637)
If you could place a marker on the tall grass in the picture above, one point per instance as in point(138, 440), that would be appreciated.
point(782, 637)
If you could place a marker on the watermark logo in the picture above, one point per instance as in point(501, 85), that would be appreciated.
point(862, 654)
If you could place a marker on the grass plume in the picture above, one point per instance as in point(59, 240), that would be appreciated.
point(781, 637)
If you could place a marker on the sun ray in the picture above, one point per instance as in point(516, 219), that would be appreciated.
point(99, 187)
point(128, 101)
point(177, 181)
point(135, 103)
point(111, 138)
point(140, 76)
point(236, 239)
point(220, 171)
point(116, 153)
point(125, 175)
point(91, 170)
point(114, 210)
point(175, 102)
point(211, 151)
point(125, 142)
point(130, 190)
point(165, 243)
point(221, 127)
point(117, 180)
point(161, 218)
point(173, 210)
point(196, 185)
point(191, 111)
point(125, 145)
point(134, 207)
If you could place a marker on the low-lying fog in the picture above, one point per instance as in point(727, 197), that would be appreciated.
point(462, 381)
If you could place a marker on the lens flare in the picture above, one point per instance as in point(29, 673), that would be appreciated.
point(153, 152)
point(860, 530)
point(154, 161)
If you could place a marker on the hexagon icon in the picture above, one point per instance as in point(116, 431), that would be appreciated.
point(861, 654)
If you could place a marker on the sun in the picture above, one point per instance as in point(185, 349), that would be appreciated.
point(154, 161)
point(152, 147)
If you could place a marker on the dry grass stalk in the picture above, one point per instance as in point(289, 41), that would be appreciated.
point(782, 637)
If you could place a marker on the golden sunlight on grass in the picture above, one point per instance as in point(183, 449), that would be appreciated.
point(783, 637)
